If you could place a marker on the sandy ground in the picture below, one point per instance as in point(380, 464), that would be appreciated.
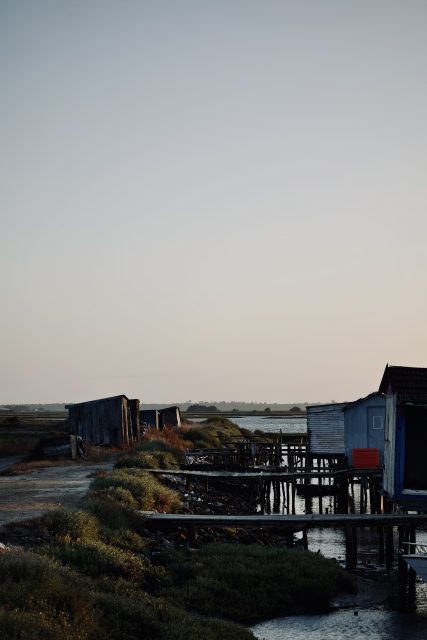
point(30, 495)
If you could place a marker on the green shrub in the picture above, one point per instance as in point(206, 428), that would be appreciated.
point(112, 509)
point(40, 599)
point(124, 539)
point(147, 492)
point(146, 460)
point(251, 583)
point(212, 433)
point(149, 446)
point(72, 525)
point(99, 559)
point(154, 619)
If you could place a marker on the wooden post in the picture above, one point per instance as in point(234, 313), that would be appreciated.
point(304, 539)
point(381, 556)
point(389, 547)
point(294, 490)
point(350, 552)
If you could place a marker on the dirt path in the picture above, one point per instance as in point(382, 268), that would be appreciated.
point(30, 495)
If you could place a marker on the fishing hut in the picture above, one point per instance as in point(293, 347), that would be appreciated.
point(149, 419)
point(364, 431)
point(170, 417)
point(110, 421)
point(405, 468)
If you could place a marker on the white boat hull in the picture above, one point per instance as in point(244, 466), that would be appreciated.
point(418, 562)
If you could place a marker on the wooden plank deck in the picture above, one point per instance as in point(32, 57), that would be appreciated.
point(296, 522)
point(262, 474)
point(243, 475)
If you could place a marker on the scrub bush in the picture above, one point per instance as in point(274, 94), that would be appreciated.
point(72, 525)
point(145, 460)
point(99, 559)
point(149, 494)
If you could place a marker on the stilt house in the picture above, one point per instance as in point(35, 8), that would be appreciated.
point(109, 421)
point(405, 453)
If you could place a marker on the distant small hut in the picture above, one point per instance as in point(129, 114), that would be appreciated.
point(110, 421)
point(149, 419)
point(170, 417)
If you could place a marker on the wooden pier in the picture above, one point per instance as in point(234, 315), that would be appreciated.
point(276, 488)
point(384, 523)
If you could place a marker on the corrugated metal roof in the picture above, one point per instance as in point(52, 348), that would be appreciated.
point(325, 427)
point(408, 383)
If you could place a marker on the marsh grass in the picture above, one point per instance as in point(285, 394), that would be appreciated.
point(145, 492)
point(211, 433)
point(93, 579)
point(148, 460)
point(251, 583)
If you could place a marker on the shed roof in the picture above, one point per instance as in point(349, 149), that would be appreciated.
point(360, 400)
point(408, 383)
point(77, 404)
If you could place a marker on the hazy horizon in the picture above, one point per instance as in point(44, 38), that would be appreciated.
point(211, 199)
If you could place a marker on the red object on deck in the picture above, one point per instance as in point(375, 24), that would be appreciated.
point(365, 458)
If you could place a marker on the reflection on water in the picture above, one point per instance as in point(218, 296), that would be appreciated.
point(369, 624)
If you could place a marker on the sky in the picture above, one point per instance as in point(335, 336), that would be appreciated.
point(211, 199)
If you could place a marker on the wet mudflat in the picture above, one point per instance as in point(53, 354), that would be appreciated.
point(30, 495)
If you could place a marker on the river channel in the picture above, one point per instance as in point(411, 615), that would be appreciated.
point(378, 619)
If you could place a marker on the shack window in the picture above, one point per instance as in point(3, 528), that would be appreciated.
point(415, 476)
point(377, 422)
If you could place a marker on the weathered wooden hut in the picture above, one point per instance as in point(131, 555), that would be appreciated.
point(149, 419)
point(364, 422)
point(170, 417)
point(110, 421)
point(325, 429)
point(405, 452)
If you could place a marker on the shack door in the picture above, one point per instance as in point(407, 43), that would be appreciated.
point(376, 416)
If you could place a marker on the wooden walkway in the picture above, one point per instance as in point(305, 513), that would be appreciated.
point(262, 474)
point(296, 522)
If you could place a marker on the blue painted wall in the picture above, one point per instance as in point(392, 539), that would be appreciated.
point(364, 423)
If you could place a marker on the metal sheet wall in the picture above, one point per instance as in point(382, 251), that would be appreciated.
point(325, 427)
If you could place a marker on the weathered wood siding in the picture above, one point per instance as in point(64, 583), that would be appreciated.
point(149, 419)
point(325, 428)
point(170, 417)
point(390, 445)
point(107, 421)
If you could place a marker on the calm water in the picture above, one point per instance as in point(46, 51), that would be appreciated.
point(268, 424)
point(369, 624)
point(375, 623)
point(286, 425)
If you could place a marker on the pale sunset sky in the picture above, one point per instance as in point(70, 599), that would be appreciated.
point(211, 199)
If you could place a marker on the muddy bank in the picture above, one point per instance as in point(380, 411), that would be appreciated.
point(27, 496)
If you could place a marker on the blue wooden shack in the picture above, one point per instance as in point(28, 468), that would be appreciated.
point(405, 452)
point(364, 422)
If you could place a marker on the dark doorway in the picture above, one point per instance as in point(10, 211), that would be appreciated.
point(415, 448)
